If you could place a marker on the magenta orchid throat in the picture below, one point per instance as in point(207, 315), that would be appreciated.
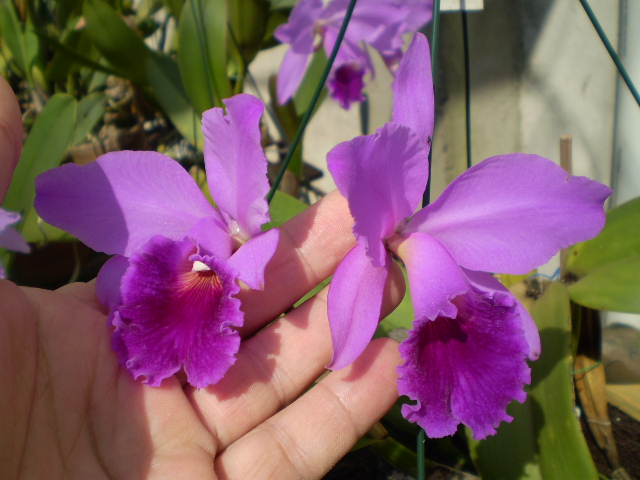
point(170, 287)
point(465, 357)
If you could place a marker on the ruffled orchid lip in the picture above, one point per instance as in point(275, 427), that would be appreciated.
point(177, 312)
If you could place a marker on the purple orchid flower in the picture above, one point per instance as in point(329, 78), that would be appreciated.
point(377, 23)
point(171, 285)
point(465, 357)
point(9, 236)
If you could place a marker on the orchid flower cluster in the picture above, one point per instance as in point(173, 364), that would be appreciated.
point(171, 286)
point(379, 24)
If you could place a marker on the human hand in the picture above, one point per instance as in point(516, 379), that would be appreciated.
point(69, 410)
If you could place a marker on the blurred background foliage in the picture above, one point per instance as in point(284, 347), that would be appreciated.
point(94, 76)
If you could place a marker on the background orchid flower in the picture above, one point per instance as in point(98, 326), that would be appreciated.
point(465, 357)
point(377, 23)
point(9, 236)
point(171, 285)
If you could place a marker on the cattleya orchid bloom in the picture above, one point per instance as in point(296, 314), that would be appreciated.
point(465, 356)
point(377, 23)
point(171, 286)
point(9, 236)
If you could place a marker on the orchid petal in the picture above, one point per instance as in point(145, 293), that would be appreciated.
point(413, 103)
point(9, 236)
point(299, 31)
point(251, 259)
point(109, 280)
point(211, 237)
point(173, 317)
point(383, 173)
point(434, 278)
point(118, 202)
point(512, 213)
point(488, 284)
point(354, 303)
point(292, 70)
point(465, 370)
point(236, 164)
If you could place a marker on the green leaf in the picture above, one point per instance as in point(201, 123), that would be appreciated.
point(398, 455)
point(277, 4)
point(164, 78)
point(202, 52)
point(44, 149)
point(282, 208)
point(90, 109)
point(119, 44)
point(248, 23)
point(614, 286)
point(14, 38)
point(35, 230)
point(620, 239)
point(544, 441)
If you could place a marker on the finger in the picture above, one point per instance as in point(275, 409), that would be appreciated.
point(311, 246)
point(275, 367)
point(10, 135)
point(307, 438)
point(85, 293)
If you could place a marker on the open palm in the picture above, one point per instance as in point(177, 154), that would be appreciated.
point(68, 410)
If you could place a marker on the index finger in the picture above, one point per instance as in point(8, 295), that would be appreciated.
point(310, 248)
point(10, 135)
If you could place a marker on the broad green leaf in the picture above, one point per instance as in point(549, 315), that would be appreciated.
point(248, 24)
point(75, 52)
point(119, 44)
point(614, 286)
point(202, 52)
point(165, 81)
point(620, 239)
point(175, 7)
point(282, 208)
point(90, 109)
point(44, 148)
point(15, 38)
point(544, 441)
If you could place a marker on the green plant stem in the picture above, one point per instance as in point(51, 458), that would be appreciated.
point(612, 53)
point(314, 100)
point(435, 33)
point(467, 84)
point(420, 452)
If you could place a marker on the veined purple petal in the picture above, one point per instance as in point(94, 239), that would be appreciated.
point(485, 282)
point(512, 213)
point(355, 299)
point(108, 281)
point(290, 75)
point(384, 173)
point(9, 236)
point(413, 103)
point(467, 369)
point(174, 316)
point(212, 238)
point(236, 164)
point(121, 200)
point(346, 84)
point(434, 278)
point(251, 259)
